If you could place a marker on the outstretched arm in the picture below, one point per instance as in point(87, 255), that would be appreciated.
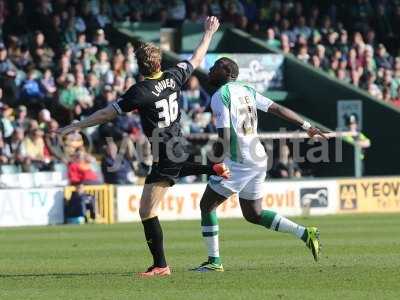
point(99, 117)
point(210, 27)
point(293, 117)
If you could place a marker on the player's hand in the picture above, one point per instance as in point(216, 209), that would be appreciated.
point(211, 24)
point(316, 132)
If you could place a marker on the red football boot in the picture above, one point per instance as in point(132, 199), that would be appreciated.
point(155, 271)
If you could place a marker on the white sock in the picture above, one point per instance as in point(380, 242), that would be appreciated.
point(210, 235)
point(282, 224)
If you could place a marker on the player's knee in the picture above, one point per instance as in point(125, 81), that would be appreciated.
point(204, 207)
point(146, 213)
point(253, 218)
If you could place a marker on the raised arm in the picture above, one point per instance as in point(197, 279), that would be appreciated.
point(293, 117)
point(210, 27)
point(99, 117)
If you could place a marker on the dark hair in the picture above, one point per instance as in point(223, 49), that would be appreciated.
point(231, 67)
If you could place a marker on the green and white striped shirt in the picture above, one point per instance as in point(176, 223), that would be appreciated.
point(235, 106)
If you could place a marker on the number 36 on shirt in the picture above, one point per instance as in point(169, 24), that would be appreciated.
point(169, 110)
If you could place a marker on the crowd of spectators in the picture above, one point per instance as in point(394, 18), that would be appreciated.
point(356, 42)
point(57, 65)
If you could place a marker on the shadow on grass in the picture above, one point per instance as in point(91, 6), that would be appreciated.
point(61, 275)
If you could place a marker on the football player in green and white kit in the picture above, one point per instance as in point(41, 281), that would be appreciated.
point(235, 106)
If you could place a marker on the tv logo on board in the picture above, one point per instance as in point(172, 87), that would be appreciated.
point(314, 197)
point(348, 197)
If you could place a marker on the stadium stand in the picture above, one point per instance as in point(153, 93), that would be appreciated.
point(58, 65)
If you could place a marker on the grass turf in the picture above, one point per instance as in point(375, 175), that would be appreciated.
point(361, 260)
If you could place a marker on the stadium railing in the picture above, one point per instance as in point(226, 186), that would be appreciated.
point(285, 136)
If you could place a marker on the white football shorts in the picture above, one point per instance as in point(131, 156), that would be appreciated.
point(246, 180)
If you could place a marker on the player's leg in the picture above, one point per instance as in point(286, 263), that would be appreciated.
point(210, 229)
point(218, 190)
point(209, 222)
point(152, 194)
point(253, 213)
point(250, 198)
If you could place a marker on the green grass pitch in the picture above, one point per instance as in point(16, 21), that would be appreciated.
point(360, 260)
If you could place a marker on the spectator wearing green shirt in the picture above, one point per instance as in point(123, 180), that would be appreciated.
point(68, 95)
point(271, 40)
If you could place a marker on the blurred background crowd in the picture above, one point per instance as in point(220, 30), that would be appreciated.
point(57, 65)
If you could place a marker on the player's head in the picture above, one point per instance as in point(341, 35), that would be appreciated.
point(149, 59)
point(223, 71)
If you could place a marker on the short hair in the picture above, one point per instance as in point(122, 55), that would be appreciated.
point(230, 66)
point(149, 59)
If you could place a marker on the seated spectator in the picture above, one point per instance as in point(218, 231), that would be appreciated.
point(80, 24)
point(7, 68)
point(44, 117)
point(5, 152)
point(131, 65)
point(286, 167)
point(194, 97)
point(303, 54)
point(68, 96)
point(396, 100)
point(81, 93)
point(93, 85)
point(115, 167)
point(81, 207)
point(102, 66)
point(43, 55)
point(72, 143)
point(14, 48)
point(212, 126)
point(80, 170)
point(53, 145)
point(106, 97)
point(6, 126)
point(32, 94)
point(215, 7)
point(271, 40)
point(301, 28)
point(383, 59)
point(80, 45)
point(34, 152)
point(100, 40)
point(176, 12)
point(17, 151)
point(196, 125)
point(70, 32)
point(48, 83)
point(24, 59)
point(103, 18)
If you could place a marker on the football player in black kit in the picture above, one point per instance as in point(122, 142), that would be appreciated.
point(156, 99)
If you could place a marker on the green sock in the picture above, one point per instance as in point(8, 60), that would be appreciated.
point(210, 229)
point(274, 221)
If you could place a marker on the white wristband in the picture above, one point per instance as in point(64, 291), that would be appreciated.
point(306, 125)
